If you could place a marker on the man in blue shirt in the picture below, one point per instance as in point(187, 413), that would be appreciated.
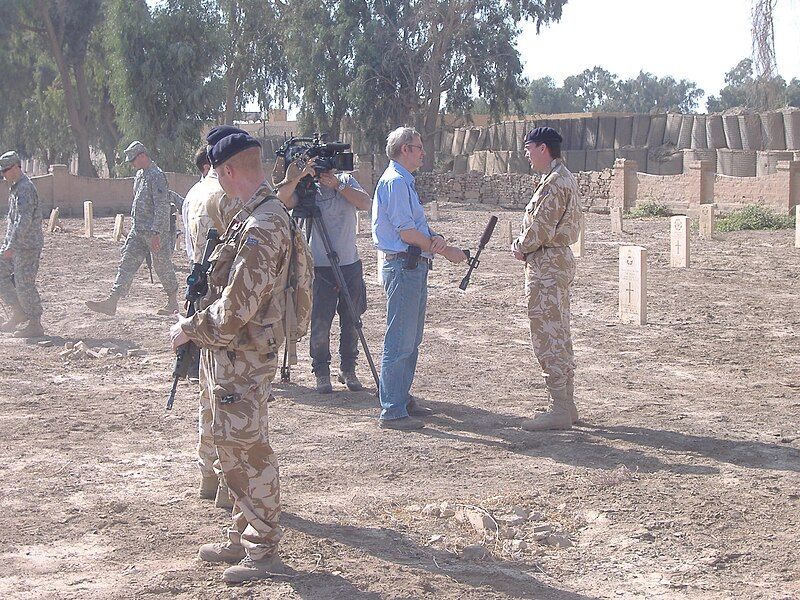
point(400, 230)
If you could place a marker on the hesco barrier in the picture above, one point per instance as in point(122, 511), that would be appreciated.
point(737, 163)
point(750, 128)
point(715, 132)
point(699, 135)
point(733, 136)
point(691, 155)
point(772, 131)
point(791, 126)
point(767, 160)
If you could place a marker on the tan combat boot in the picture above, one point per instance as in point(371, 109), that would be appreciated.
point(108, 306)
point(226, 552)
point(223, 498)
point(15, 320)
point(208, 487)
point(350, 380)
point(573, 410)
point(250, 570)
point(555, 417)
point(171, 307)
point(33, 329)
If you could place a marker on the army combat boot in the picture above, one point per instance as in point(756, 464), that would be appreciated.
point(573, 410)
point(350, 380)
point(223, 497)
point(108, 306)
point(32, 329)
point(17, 318)
point(250, 570)
point(555, 417)
point(171, 306)
point(217, 552)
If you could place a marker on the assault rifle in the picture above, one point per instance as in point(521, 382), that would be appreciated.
point(196, 288)
point(474, 261)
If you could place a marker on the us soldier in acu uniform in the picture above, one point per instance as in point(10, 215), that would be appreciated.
point(551, 223)
point(20, 252)
point(150, 232)
point(240, 331)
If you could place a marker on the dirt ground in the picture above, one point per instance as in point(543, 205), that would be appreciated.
point(681, 482)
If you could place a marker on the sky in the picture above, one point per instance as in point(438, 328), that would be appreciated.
point(699, 40)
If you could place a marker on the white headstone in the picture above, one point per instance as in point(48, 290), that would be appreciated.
point(434, 211)
point(53, 222)
point(797, 226)
point(88, 219)
point(707, 221)
point(616, 219)
point(510, 232)
point(119, 227)
point(633, 285)
point(380, 266)
point(577, 247)
point(679, 242)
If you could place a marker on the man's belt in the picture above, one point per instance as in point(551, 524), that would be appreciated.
point(403, 255)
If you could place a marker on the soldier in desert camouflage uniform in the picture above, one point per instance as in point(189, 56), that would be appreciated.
point(202, 212)
point(20, 252)
point(150, 232)
point(240, 330)
point(550, 224)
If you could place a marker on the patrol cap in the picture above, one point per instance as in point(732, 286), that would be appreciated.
point(134, 149)
point(221, 131)
point(230, 146)
point(543, 135)
point(9, 159)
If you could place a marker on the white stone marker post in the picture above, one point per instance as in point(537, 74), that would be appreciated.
point(707, 221)
point(434, 211)
point(380, 259)
point(616, 219)
point(633, 285)
point(119, 227)
point(797, 226)
point(53, 222)
point(88, 219)
point(679, 242)
point(510, 232)
point(577, 247)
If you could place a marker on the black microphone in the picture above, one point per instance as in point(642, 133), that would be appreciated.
point(487, 233)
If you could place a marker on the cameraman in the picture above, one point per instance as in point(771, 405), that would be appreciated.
point(338, 197)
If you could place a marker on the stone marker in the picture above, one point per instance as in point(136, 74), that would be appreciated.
point(88, 219)
point(119, 227)
point(707, 221)
point(797, 226)
point(434, 211)
point(510, 232)
point(577, 247)
point(380, 267)
point(633, 285)
point(679, 242)
point(53, 223)
point(616, 219)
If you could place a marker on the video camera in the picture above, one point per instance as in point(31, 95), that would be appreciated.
point(327, 156)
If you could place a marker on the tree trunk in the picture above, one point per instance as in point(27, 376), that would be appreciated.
point(77, 125)
point(231, 81)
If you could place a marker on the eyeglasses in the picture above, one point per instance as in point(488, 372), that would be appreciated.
point(414, 146)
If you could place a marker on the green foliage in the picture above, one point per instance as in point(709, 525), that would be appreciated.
point(753, 218)
point(649, 209)
point(160, 78)
point(744, 89)
point(599, 90)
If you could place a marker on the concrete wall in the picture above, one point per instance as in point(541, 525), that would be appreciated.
point(68, 192)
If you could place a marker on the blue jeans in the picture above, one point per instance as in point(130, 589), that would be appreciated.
point(406, 297)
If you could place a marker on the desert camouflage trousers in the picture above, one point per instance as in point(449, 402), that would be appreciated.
point(207, 459)
point(238, 387)
point(548, 275)
point(134, 253)
point(21, 290)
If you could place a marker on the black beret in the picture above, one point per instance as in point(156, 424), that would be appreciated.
point(221, 131)
point(230, 146)
point(543, 135)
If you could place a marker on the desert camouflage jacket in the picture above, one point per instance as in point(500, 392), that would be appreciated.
point(150, 210)
point(553, 216)
point(24, 228)
point(203, 207)
point(245, 304)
